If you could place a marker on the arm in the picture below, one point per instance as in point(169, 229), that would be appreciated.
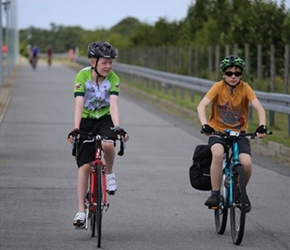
point(79, 104)
point(260, 111)
point(114, 109)
point(79, 100)
point(261, 115)
point(201, 110)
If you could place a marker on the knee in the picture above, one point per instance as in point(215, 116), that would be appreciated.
point(246, 162)
point(108, 146)
point(247, 167)
point(217, 156)
point(85, 169)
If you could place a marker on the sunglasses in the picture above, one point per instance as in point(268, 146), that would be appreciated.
point(230, 73)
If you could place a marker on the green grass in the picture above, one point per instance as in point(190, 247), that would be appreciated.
point(185, 100)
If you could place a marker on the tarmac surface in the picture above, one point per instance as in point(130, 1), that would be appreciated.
point(154, 208)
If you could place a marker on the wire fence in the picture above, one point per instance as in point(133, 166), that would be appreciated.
point(268, 69)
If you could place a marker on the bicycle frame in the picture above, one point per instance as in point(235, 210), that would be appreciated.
point(231, 160)
point(93, 177)
point(233, 189)
point(233, 193)
point(96, 199)
point(97, 168)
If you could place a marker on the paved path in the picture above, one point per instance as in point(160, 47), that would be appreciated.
point(155, 206)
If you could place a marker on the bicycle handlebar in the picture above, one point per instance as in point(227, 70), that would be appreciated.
point(88, 137)
point(234, 134)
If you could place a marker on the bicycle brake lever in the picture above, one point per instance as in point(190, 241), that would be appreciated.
point(122, 146)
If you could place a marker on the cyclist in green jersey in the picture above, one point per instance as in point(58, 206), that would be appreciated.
point(96, 90)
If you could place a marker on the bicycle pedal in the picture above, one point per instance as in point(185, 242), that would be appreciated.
point(106, 207)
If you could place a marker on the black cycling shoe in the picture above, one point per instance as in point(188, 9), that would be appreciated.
point(111, 192)
point(213, 201)
point(248, 205)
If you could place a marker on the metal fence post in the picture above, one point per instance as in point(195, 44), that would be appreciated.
point(259, 62)
point(286, 71)
point(1, 55)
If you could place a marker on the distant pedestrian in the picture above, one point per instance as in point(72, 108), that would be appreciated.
point(71, 55)
point(34, 56)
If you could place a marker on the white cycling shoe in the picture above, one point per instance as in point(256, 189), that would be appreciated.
point(111, 183)
point(79, 220)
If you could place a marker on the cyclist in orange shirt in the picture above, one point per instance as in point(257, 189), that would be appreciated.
point(229, 99)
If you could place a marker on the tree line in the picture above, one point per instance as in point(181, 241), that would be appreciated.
point(207, 23)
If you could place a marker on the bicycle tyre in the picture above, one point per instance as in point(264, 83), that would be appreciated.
point(238, 209)
point(92, 217)
point(221, 214)
point(99, 206)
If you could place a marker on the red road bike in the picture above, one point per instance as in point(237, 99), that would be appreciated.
point(96, 200)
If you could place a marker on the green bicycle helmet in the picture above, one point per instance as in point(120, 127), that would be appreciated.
point(232, 60)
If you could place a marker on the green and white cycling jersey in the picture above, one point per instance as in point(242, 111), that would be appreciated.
point(96, 97)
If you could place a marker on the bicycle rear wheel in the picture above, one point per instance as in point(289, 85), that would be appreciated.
point(33, 64)
point(99, 206)
point(221, 214)
point(238, 209)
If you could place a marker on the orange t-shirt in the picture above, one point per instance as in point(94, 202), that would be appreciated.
point(230, 111)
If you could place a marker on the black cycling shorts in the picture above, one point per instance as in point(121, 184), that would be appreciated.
point(102, 126)
point(243, 143)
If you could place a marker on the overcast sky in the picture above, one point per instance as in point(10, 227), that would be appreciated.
point(94, 14)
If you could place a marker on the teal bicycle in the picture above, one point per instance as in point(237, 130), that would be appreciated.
point(233, 194)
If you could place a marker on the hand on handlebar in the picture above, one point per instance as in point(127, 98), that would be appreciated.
point(206, 129)
point(72, 135)
point(121, 134)
point(261, 131)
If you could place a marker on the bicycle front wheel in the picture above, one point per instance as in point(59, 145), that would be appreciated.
point(91, 213)
point(238, 209)
point(99, 206)
point(92, 217)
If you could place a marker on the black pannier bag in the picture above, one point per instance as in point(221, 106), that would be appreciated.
point(199, 172)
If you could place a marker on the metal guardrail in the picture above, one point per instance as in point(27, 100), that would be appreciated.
point(272, 102)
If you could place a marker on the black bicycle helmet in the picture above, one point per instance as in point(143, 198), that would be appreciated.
point(230, 61)
point(101, 49)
